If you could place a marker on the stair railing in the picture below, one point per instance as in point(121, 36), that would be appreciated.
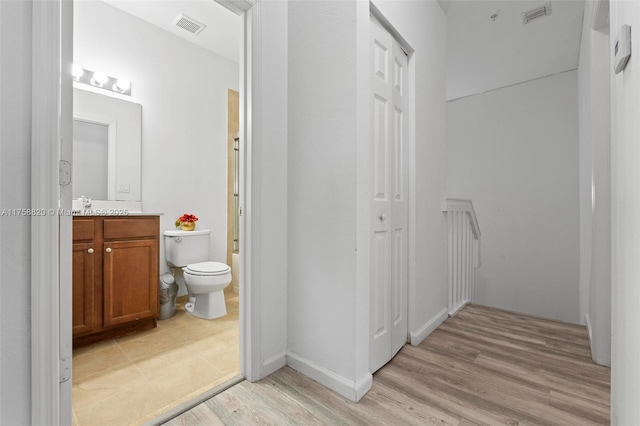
point(463, 248)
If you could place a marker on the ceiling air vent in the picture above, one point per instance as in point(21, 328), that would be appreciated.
point(536, 13)
point(189, 24)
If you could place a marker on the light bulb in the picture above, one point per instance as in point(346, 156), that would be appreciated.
point(76, 71)
point(122, 85)
point(99, 78)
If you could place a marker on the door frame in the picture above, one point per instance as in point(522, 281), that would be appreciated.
point(52, 114)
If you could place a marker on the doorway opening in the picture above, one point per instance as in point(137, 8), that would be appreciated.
point(137, 376)
point(52, 260)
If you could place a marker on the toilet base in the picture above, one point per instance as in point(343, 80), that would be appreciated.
point(207, 306)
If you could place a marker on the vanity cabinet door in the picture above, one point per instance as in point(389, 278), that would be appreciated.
point(84, 282)
point(130, 279)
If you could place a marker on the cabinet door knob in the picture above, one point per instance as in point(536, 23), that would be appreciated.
point(90, 251)
point(108, 250)
point(383, 216)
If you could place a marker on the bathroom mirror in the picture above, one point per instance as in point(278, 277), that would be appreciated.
point(107, 139)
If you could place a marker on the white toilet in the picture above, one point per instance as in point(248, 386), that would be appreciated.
point(205, 280)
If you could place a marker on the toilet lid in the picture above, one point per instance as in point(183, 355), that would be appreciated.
point(207, 268)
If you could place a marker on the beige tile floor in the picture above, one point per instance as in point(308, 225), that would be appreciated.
point(133, 379)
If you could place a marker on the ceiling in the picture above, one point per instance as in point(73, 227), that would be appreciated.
point(223, 27)
point(484, 54)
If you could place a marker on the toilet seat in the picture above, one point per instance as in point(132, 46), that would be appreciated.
point(207, 269)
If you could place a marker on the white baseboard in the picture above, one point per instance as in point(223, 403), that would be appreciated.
point(458, 308)
point(428, 328)
point(274, 363)
point(347, 388)
point(363, 386)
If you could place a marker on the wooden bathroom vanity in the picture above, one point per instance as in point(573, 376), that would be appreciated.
point(115, 276)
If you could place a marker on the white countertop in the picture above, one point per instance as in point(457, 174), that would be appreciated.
point(110, 208)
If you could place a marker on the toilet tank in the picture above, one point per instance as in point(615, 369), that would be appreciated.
point(182, 248)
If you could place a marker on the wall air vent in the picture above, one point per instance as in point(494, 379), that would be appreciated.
point(189, 24)
point(536, 13)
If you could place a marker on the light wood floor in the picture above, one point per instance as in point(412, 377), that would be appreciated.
point(482, 367)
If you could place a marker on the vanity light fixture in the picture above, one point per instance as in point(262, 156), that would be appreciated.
point(76, 72)
point(122, 85)
point(101, 80)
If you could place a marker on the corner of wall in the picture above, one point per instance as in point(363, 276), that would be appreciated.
point(274, 363)
point(352, 390)
point(270, 27)
point(587, 321)
point(427, 328)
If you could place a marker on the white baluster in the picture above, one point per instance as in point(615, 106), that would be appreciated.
point(463, 252)
point(450, 224)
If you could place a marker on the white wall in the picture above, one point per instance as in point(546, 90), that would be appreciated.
point(585, 162)
point(15, 192)
point(514, 152)
point(328, 263)
point(183, 92)
point(625, 231)
point(595, 187)
point(322, 189)
point(270, 175)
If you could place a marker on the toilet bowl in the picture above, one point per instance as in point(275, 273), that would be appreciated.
point(205, 282)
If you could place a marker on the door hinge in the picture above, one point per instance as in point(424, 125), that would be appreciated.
point(65, 173)
point(65, 369)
